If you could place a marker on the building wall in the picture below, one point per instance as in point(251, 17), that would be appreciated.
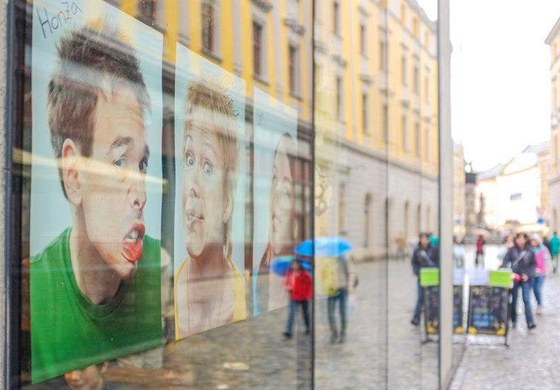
point(554, 164)
point(544, 172)
point(397, 163)
point(526, 183)
point(459, 209)
point(180, 21)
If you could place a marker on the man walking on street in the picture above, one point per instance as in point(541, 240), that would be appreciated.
point(554, 250)
point(425, 255)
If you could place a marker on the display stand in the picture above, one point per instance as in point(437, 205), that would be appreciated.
point(488, 312)
point(429, 280)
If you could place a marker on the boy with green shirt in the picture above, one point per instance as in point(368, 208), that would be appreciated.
point(96, 288)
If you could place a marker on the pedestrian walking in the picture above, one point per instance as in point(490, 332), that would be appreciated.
point(341, 282)
point(542, 260)
point(300, 290)
point(554, 250)
point(521, 259)
point(458, 253)
point(425, 255)
point(479, 258)
point(506, 244)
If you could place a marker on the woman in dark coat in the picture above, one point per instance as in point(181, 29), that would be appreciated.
point(521, 259)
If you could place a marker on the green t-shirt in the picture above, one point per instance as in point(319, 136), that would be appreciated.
point(69, 332)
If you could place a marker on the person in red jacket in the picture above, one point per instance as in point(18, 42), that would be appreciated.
point(300, 290)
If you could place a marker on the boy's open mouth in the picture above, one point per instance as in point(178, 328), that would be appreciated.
point(132, 244)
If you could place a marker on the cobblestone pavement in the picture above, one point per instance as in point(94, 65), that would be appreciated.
point(383, 350)
point(531, 361)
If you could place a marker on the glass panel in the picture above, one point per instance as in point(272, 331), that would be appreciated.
point(412, 195)
point(168, 171)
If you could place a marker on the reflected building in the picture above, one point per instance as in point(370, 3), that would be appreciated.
point(553, 40)
point(459, 208)
point(376, 111)
point(507, 201)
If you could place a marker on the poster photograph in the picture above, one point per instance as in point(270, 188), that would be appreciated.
point(275, 227)
point(96, 186)
point(210, 181)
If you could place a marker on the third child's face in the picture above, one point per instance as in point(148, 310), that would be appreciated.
point(113, 181)
point(204, 199)
point(282, 203)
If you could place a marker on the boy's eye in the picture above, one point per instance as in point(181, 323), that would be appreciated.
point(121, 162)
point(189, 160)
point(208, 169)
point(143, 165)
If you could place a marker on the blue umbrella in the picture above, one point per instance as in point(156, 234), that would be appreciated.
point(281, 265)
point(324, 247)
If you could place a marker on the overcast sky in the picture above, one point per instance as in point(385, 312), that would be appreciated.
point(500, 80)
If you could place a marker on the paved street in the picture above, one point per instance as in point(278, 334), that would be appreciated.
point(531, 361)
point(382, 349)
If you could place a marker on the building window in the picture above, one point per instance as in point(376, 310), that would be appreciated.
point(293, 69)
point(367, 224)
point(416, 80)
point(403, 13)
point(427, 145)
point(341, 208)
point(427, 38)
point(385, 123)
point(415, 27)
point(404, 133)
point(555, 152)
point(418, 132)
point(147, 9)
point(339, 102)
point(383, 55)
point(207, 12)
point(363, 43)
point(257, 49)
point(336, 18)
point(426, 89)
point(365, 119)
point(403, 70)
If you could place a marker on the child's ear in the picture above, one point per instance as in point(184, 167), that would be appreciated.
point(70, 169)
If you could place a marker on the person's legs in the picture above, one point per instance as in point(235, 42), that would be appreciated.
point(554, 262)
point(537, 289)
point(342, 302)
point(291, 315)
point(526, 288)
point(513, 309)
point(331, 301)
point(418, 308)
point(305, 309)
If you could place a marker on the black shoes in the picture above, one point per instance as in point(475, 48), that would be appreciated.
point(287, 335)
point(415, 321)
point(532, 326)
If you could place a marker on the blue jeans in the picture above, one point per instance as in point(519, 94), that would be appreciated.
point(538, 282)
point(341, 298)
point(292, 314)
point(419, 302)
point(526, 288)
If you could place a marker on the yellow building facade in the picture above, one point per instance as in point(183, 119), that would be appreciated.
point(284, 23)
point(553, 40)
point(376, 110)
